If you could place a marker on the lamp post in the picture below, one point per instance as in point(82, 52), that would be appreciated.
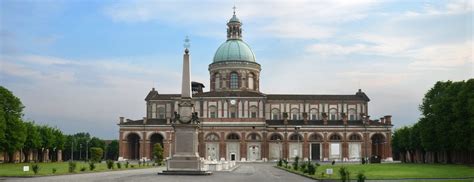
point(87, 150)
point(72, 150)
point(80, 151)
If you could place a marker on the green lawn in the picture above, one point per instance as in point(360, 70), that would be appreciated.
point(8, 169)
point(398, 171)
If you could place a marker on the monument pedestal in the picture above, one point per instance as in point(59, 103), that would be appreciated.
point(185, 160)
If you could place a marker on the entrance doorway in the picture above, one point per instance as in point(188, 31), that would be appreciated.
point(315, 151)
point(133, 141)
point(232, 157)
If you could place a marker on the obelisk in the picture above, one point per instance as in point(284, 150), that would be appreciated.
point(186, 158)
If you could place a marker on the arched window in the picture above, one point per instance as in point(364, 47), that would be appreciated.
point(161, 113)
point(294, 114)
point(276, 137)
point(296, 137)
point(315, 137)
point(234, 80)
point(212, 137)
point(335, 137)
point(217, 81)
point(153, 110)
point(275, 114)
point(253, 136)
point(253, 111)
point(354, 137)
point(332, 114)
point(251, 81)
point(314, 114)
point(352, 114)
point(233, 112)
point(212, 112)
point(233, 136)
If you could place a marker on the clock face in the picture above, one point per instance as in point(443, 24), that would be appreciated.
point(233, 102)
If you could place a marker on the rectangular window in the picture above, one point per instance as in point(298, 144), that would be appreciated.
point(333, 117)
point(295, 116)
point(161, 116)
point(232, 115)
point(351, 117)
point(275, 116)
point(313, 117)
point(213, 114)
point(253, 114)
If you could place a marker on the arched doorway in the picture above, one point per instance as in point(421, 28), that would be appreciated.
point(275, 145)
point(154, 139)
point(378, 143)
point(133, 141)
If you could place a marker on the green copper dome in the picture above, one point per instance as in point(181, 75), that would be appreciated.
point(234, 50)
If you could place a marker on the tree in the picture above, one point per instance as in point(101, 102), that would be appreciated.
point(47, 139)
point(13, 138)
point(59, 141)
point(158, 153)
point(96, 142)
point(33, 139)
point(96, 154)
point(113, 150)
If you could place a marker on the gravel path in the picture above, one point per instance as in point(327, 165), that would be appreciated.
point(259, 172)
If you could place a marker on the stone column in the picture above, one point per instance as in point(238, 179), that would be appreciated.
point(222, 147)
point(325, 147)
point(243, 148)
point(142, 146)
point(202, 145)
point(285, 147)
point(345, 147)
point(388, 146)
point(305, 147)
point(265, 147)
point(60, 156)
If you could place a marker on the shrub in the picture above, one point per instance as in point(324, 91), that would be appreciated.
point(158, 153)
point(35, 168)
point(311, 168)
point(126, 164)
point(303, 167)
point(286, 163)
point(132, 166)
point(96, 154)
point(280, 163)
point(110, 164)
point(323, 174)
point(139, 163)
point(363, 161)
point(83, 169)
point(295, 163)
point(119, 165)
point(361, 176)
point(72, 166)
point(91, 166)
point(344, 173)
point(54, 170)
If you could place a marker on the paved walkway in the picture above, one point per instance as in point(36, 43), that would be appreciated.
point(259, 172)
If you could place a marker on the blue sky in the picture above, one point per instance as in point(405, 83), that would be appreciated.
point(81, 64)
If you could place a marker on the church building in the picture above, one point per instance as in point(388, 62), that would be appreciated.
point(240, 123)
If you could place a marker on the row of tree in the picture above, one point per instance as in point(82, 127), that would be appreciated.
point(42, 142)
point(444, 133)
point(81, 143)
